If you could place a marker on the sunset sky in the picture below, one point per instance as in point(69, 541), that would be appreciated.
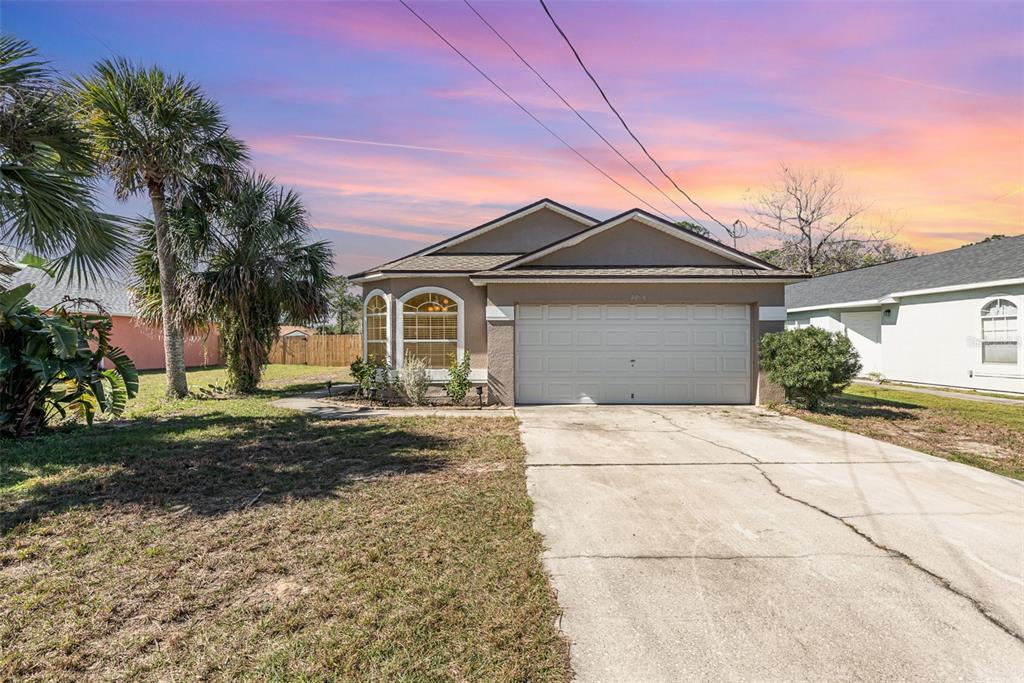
point(395, 142)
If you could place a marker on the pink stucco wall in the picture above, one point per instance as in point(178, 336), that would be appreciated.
point(145, 345)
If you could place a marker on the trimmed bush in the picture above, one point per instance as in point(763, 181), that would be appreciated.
point(809, 363)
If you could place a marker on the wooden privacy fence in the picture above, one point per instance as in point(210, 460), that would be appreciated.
point(317, 349)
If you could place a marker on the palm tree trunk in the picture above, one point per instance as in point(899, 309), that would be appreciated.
point(174, 343)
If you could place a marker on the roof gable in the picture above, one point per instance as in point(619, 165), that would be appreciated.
point(521, 232)
point(501, 221)
point(636, 238)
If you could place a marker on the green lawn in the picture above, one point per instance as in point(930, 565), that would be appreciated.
point(224, 539)
point(986, 435)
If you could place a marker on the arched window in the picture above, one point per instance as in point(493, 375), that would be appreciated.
point(375, 326)
point(431, 327)
point(999, 332)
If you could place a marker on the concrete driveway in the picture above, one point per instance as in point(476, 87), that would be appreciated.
point(734, 544)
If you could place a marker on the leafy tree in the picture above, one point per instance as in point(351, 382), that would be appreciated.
point(346, 307)
point(817, 230)
point(247, 265)
point(47, 172)
point(51, 364)
point(694, 227)
point(809, 363)
point(157, 133)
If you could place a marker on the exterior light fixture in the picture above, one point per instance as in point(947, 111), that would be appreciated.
point(480, 395)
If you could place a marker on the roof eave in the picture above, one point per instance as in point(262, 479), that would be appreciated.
point(659, 279)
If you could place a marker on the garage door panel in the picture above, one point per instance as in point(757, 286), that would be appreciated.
point(526, 312)
point(633, 354)
point(706, 338)
point(618, 312)
point(679, 338)
point(613, 338)
point(529, 338)
point(736, 338)
point(735, 312)
point(647, 313)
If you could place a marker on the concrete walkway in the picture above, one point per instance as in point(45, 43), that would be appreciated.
point(316, 403)
point(944, 393)
point(706, 543)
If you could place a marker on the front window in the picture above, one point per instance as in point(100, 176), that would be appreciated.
point(999, 333)
point(376, 326)
point(430, 329)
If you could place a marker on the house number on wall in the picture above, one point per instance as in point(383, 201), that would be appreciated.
point(637, 298)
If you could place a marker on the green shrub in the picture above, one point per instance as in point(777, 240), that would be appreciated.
point(52, 364)
point(458, 382)
point(362, 373)
point(809, 363)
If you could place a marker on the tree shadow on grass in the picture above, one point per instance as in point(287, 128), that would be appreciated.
point(859, 407)
point(213, 463)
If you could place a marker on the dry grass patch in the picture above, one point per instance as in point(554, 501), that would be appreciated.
point(249, 543)
point(986, 435)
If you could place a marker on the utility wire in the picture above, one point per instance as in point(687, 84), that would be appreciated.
point(575, 111)
point(529, 113)
point(623, 121)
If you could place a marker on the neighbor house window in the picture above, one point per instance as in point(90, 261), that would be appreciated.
point(375, 325)
point(430, 328)
point(999, 332)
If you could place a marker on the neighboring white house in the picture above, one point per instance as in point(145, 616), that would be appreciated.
point(953, 318)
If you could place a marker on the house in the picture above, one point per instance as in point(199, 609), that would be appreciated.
point(951, 318)
point(555, 306)
point(295, 331)
point(143, 344)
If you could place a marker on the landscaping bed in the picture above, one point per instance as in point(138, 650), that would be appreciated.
point(982, 434)
point(226, 539)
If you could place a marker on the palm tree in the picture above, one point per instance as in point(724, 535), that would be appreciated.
point(158, 133)
point(48, 174)
point(248, 265)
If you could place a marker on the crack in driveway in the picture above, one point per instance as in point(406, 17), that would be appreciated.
point(938, 578)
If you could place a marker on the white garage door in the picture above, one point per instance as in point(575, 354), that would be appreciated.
point(678, 353)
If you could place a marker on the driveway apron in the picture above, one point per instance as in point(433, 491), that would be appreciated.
point(715, 543)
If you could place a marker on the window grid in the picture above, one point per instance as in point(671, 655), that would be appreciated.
point(376, 326)
point(999, 332)
point(430, 329)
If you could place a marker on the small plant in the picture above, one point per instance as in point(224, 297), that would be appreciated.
point(809, 363)
point(52, 364)
point(362, 373)
point(383, 383)
point(414, 380)
point(458, 382)
point(876, 377)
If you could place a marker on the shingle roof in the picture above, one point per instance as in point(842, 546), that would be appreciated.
point(112, 294)
point(461, 263)
point(996, 260)
point(599, 272)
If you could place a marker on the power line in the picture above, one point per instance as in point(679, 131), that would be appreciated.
point(529, 113)
point(623, 121)
point(575, 111)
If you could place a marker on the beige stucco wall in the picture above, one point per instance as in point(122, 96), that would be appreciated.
point(766, 294)
point(528, 233)
point(633, 244)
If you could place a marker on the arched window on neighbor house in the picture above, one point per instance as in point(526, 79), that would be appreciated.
point(375, 327)
point(999, 332)
point(431, 327)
